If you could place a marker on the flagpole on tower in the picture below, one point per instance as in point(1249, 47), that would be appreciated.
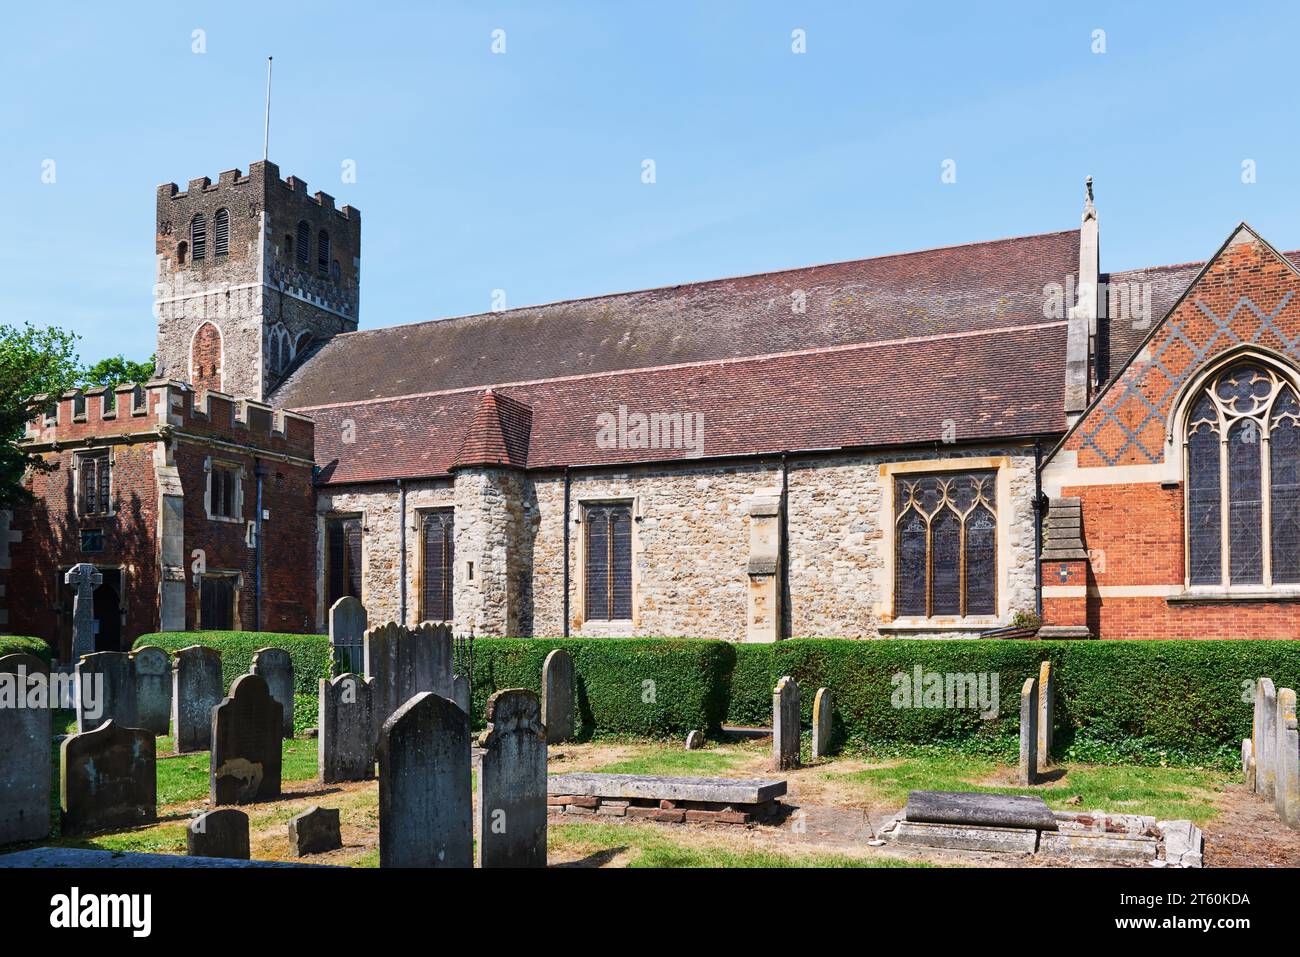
point(266, 134)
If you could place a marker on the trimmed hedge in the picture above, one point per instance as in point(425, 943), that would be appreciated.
point(19, 644)
point(639, 687)
point(310, 653)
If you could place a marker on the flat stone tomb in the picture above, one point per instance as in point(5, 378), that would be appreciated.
point(668, 799)
point(983, 810)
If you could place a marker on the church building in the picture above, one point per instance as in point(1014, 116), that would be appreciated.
point(937, 444)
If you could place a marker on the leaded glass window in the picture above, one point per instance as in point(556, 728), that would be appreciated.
point(1243, 480)
point(608, 570)
point(945, 533)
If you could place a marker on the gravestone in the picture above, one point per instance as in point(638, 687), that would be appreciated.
point(246, 740)
point(108, 779)
point(276, 668)
point(1248, 763)
point(315, 831)
point(823, 713)
point(1266, 738)
point(461, 692)
point(153, 689)
point(1287, 777)
point(219, 833)
point(694, 741)
point(1046, 714)
point(84, 579)
point(425, 817)
point(512, 783)
point(196, 690)
point(24, 749)
point(785, 724)
point(348, 621)
point(557, 696)
point(1028, 771)
point(106, 690)
point(404, 662)
point(345, 742)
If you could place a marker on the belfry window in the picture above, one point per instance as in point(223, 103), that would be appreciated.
point(1242, 454)
point(198, 237)
point(946, 545)
point(221, 233)
point(323, 253)
point(304, 244)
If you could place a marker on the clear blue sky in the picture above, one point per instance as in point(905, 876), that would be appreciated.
point(522, 171)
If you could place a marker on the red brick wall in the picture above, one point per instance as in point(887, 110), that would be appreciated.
point(1134, 531)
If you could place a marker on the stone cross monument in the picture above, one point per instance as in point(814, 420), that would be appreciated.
point(84, 578)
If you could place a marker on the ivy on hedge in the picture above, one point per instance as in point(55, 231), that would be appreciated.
point(19, 644)
point(310, 653)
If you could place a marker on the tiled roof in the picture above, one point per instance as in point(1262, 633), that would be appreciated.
point(979, 286)
point(972, 386)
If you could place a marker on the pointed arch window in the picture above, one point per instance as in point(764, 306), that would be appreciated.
point(198, 237)
point(946, 553)
point(1242, 458)
point(221, 233)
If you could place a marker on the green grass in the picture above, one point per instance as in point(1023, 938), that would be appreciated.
point(652, 847)
point(1164, 793)
point(166, 839)
point(184, 777)
point(658, 759)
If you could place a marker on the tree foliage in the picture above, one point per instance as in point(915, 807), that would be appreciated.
point(33, 361)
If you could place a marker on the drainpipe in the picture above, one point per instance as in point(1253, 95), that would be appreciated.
point(401, 550)
point(566, 551)
point(1038, 528)
point(260, 471)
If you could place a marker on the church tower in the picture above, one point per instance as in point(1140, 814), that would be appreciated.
point(253, 274)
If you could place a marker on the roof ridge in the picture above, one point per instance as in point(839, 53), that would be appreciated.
point(734, 360)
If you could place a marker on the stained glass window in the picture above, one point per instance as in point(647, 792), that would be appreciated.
point(1245, 427)
point(945, 562)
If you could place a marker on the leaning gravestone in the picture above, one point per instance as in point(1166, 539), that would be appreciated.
point(1046, 714)
point(694, 741)
point(219, 833)
point(1266, 741)
point(276, 669)
point(315, 831)
point(345, 742)
point(106, 690)
point(196, 690)
point(24, 749)
point(347, 632)
point(108, 779)
point(153, 689)
point(1286, 784)
point(785, 724)
point(512, 783)
point(84, 579)
point(1028, 771)
point(246, 740)
point(821, 724)
point(557, 696)
point(425, 816)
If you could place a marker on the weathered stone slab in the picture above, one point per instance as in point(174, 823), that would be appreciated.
point(1184, 843)
point(153, 688)
point(345, 742)
point(347, 625)
point(425, 816)
point(24, 749)
point(1248, 763)
point(1265, 737)
point(219, 833)
point(106, 690)
point(785, 724)
point(461, 693)
point(512, 783)
point(246, 741)
point(629, 786)
point(557, 696)
point(403, 662)
point(108, 779)
point(695, 741)
point(1046, 715)
point(196, 690)
point(1286, 782)
point(1098, 847)
point(84, 579)
point(1028, 771)
point(75, 858)
point(315, 831)
point(275, 667)
point(984, 810)
point(966, 837)
point(823, 714)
